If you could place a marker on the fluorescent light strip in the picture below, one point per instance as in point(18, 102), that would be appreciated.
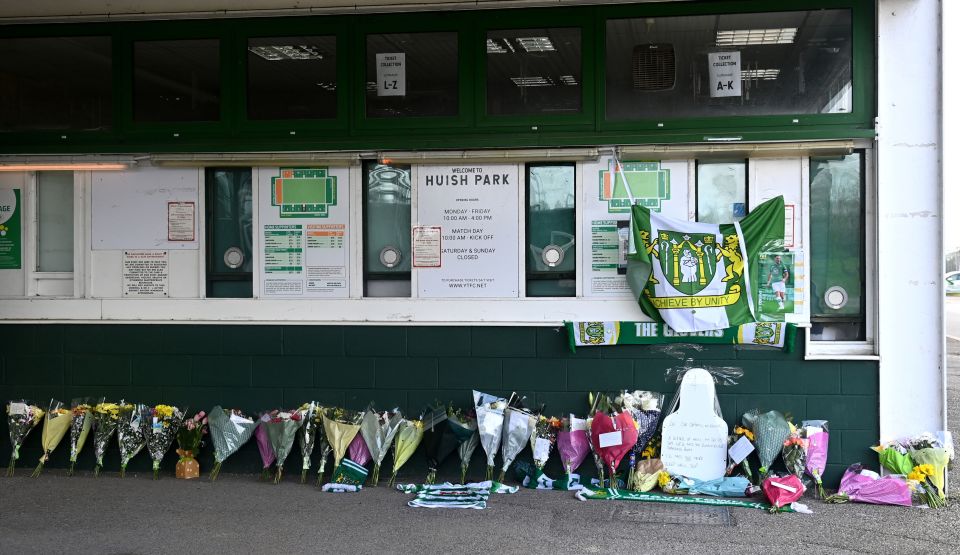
point(532, 81)
point(752, 37)
point(494, 48)
point(536, 44)
point(568, 80)
point(286, 52)
point(60, 167)
point(761, 74)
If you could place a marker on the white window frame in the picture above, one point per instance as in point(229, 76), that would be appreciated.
point(54, 284)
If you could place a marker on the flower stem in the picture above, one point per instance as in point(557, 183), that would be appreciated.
point(13, 462)
point(96, 470)
point(70, 470)
point(376, 474)
point(303, 476)
point(215, 473)
point(278, 476)
point(463, 474)
point(503, 474)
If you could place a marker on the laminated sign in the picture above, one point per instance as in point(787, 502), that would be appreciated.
point(699, 276)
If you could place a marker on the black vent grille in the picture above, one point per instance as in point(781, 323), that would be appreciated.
point(654, 67)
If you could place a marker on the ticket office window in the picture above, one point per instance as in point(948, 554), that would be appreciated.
point(721, 191)
point(386, 226)
point(51, 261)
point(229, 216)
point(837, 248)
point(551, 230)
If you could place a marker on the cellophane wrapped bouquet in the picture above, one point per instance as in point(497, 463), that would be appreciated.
point(311, 414)
point(408, 438)
point(573, 444)
point(489, 410)
point(159, 426)
point(646, 408)
point(129, 433)
point(106, 418)
point(81, 422)
point(341, 426)
point(542, 442)
point(282, 432)
point(56, 424)
point(464, 428)
point(437, 442)
point(22, 416)
point(229, 430)
point(378, 430)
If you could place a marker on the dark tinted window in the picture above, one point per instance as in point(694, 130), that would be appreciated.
point(533, 72)
point(59, 83)
point(412, 74)
point(176, 80)
point(292, 78)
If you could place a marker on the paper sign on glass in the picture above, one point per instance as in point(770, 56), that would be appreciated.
point(724, 72)
point(391, 74)
point(611, 439)
point(739, 450)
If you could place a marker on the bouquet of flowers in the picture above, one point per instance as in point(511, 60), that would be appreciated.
point(921, 483)
point(613, 438)
point(22, 416)
point(928, 451)
point(378, 430)
point(129, 434)
point(81, 421)
point(322, 445)
point(106, 418)
point(55, 426)
point(782, 491)
point(645, 407)
point(573, 444)
point(229, 429)
point(282, 431)
point(160, 425)
point(645, 475)
point(189, 439)
point(489, 411)
point(794, 454)
point(818, 440)
point(408, 438)
point(518, 426)
point(267, 456)
point(771, 431)
point(894, 457)
point(310, 413)
point(464, 428)
point(437, 443)
point(341, 426)
point(866, 486)
point(741, 432)
point(542, 441)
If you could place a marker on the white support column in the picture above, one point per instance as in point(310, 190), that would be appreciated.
point(910, 223)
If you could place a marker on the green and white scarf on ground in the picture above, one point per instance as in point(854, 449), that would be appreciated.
point(454, 496)
point(698, 276)
point(349, 476)
point(607, 494)
point(591, 334)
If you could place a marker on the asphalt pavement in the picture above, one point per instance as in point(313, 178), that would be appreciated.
point(238, 514)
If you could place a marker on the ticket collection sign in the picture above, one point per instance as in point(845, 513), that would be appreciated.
point(477, 211)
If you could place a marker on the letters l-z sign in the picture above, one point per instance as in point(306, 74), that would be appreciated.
point(724, 72)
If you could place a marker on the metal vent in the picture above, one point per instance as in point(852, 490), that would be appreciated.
point(654, 67)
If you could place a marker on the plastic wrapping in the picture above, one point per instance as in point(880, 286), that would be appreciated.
point(358, 452)
point(307, 435)
point(267, 456)
point(622, 433)
point(489, 410)
point(341, 426)
point(22, 416)
point(159, 426)
point(229, 430)
point(817, 434)
point(129, 434)
point(864, 486)
point(282, 431)
point(770, 430)
point(378, 430)
point(106, 417)
point(81, 422)
point(464, 428)
point(518, 425)
point(408, 438)
point(437, 443)
point(56, 424)
point(542, 442)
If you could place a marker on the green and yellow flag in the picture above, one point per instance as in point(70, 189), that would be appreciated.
point(699, 276)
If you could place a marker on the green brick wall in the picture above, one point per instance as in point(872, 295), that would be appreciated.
point(263, 367)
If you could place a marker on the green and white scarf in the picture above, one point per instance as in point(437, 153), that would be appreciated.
point(454, 496)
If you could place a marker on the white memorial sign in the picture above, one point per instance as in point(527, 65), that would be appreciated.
point(724, 71)
point(477, 210)
point(695, 437)
point(392, 74)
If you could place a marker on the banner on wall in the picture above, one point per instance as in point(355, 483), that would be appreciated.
point(10, 230)
point(698, 276)
point(303, 236)
point(592, 334)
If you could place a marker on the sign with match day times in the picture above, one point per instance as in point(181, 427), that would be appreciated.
point(477, 209)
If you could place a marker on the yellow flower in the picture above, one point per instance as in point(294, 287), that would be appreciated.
point(163, 411)
point(663, 479)
point(916, 476)
point(926, 469)
point(741, 431)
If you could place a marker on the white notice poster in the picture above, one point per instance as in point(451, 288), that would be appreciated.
point(426, 246)
point(146, 274)
point(303, 237)
point(724, 74)
point(477, 210)
point(391, 74)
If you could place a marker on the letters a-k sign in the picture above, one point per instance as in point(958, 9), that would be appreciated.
point(724, 70)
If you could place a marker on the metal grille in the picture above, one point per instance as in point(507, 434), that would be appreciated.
point(654, 67)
